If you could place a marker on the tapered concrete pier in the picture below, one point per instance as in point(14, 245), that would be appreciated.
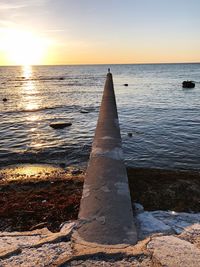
point(106, 212)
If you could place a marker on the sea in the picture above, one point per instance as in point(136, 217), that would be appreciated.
point(162, 117)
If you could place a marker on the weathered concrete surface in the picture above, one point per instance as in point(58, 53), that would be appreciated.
point(106, 211)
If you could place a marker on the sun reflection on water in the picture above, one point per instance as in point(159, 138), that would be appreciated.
point(27, 71)
point(30, 102)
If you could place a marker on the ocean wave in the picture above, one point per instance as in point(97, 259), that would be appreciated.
point(20, 79)
point(32, 110)
point(66, 107)
point(72, 81)
point(71, 155)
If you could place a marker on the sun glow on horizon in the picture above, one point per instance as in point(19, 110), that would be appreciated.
point(24, 47)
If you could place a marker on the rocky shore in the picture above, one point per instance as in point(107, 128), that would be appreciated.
point(39, 209)
point(165, 239)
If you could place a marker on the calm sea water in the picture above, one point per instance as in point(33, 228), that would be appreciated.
point(163, 117)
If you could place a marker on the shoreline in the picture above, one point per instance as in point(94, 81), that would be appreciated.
point(51, 196)
point(35, 171)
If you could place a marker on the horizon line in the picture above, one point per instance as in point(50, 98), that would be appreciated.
point(95, 64)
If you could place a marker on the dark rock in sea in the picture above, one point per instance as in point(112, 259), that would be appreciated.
point(130, 134)
point(61, 78)
point(62, 165)
point(84, 111)
point(5, 99)
point(126, 84)
point(60, 125)
point(188, 84)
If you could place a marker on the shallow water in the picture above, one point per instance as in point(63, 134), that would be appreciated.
point(163, 117)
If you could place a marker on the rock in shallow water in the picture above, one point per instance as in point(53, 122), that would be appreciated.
point(60, 125)
point(84, 111)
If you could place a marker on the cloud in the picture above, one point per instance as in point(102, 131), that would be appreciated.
point(8, 5)
point(12, 13)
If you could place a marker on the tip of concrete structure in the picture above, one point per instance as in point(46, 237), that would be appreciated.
point(109, 76)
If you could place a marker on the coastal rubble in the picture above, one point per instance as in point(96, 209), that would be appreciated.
point(167, 238)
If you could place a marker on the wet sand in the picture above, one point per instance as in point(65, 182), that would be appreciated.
point(38, 196)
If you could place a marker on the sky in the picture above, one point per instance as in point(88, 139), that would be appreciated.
point(99, 31)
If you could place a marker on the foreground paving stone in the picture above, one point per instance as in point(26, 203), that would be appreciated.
point(92, 254)
point(192, 234)
point(22, 239)
point(38, 257)
point(35, 248)
point(132, 262)
point(41, 247)
point(9, 251)
point(171, 251)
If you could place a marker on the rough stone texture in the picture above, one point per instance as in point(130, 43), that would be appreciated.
point(171, 251)
point(178, 221)
point(40, 257)
point(192, 235)
point(131, 262)
point(9, 251)
point(148, 225)
point(105, 210)
point(35, 248)
point(168, 222)
point(23, 239)
point(157, 248)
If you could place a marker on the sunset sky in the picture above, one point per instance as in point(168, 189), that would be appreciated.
point(99, 31)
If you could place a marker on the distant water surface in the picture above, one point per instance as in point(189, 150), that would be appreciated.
point(163, 118)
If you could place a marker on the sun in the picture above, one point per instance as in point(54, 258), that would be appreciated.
point(24, 47)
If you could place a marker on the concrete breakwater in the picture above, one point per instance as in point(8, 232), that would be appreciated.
point(105, 214)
